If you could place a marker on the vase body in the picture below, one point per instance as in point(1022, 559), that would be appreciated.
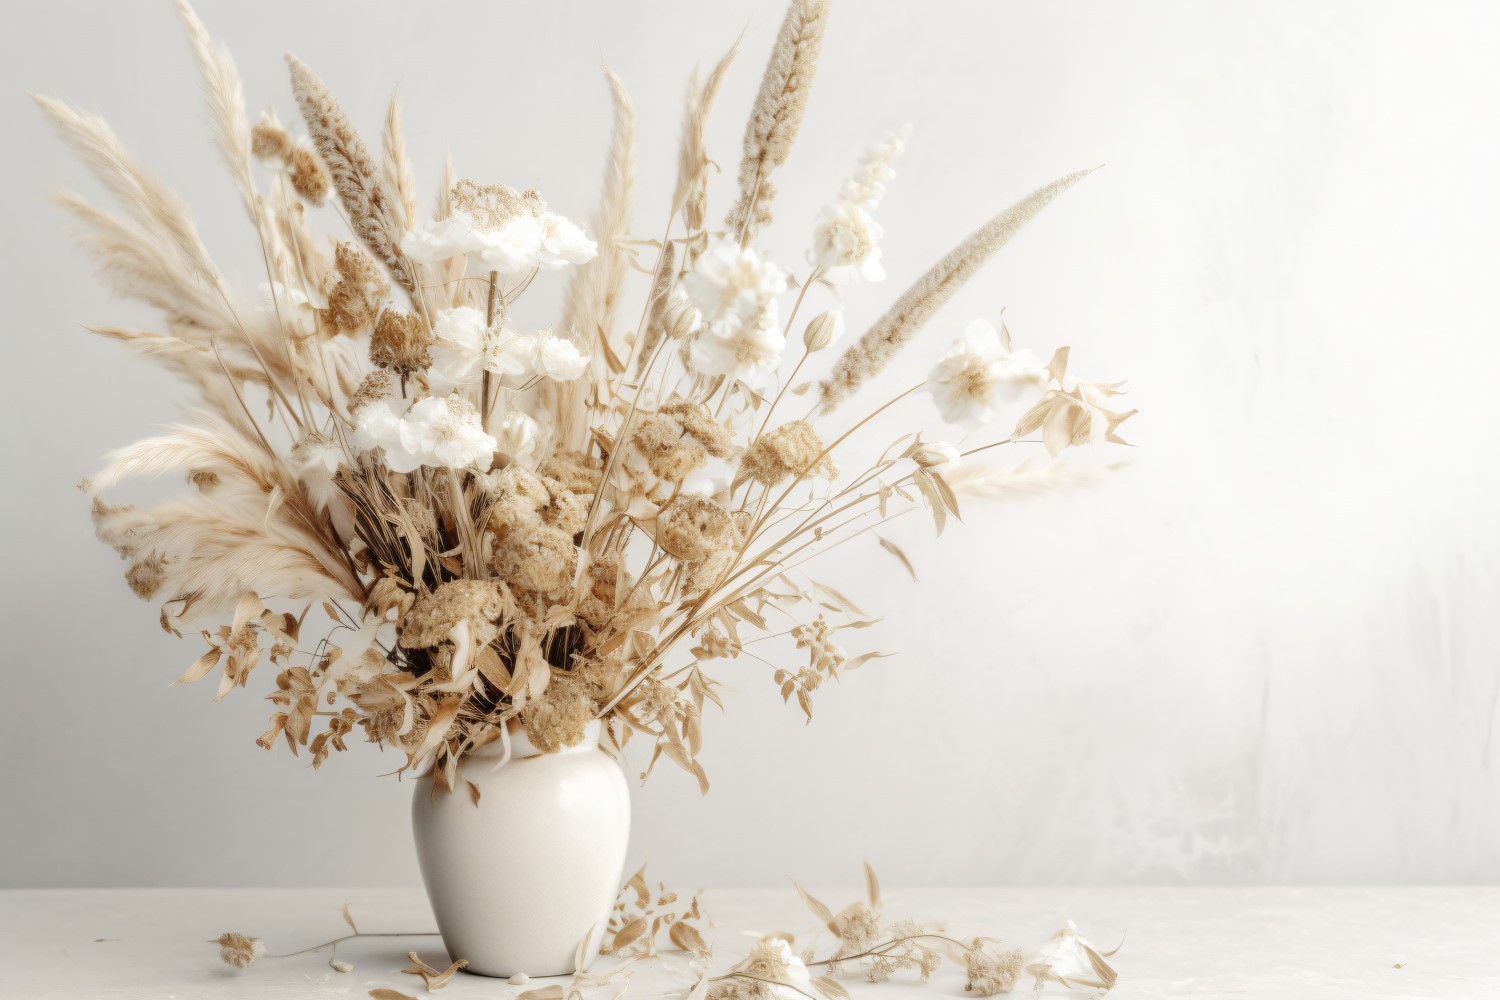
point(517, 880)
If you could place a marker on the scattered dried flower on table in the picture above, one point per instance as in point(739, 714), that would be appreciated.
point(239, 950)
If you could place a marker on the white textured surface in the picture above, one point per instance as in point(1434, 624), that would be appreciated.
point(1265, 653)
point(1250, 943)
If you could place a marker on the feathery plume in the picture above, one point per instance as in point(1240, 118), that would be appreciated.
point(691, 193)
point(396, 165)
point(872, 352)
point(157, 211)
point(777, 113)
point(593, 292)
point(226, 103)
point(372, 208)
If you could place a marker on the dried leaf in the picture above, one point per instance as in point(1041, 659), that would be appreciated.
point(201, 666)
point(552, 992)
point(872, 886)
point(348, 918)
point(385, 994)
point(895, 550)
point(686, 937)
point(627, 934)
point(819, 909)
point(432, 978)
point(830, 988)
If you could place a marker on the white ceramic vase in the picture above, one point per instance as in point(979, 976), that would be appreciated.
point(518, 880)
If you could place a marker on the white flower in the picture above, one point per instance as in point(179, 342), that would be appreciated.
point(977, 372)
point(557, 357)
point(442, 239)
point(564, 243)
point(845, 235)
point(735, 291)
point(446, 432)
point(544, 354)
point(517, 436)
point(514, 248)
point(465, 346)
point(435, 431)
point(1068, 958)
point(509, 231)
point(937, 453)
point(844, 242)
point(377, 424)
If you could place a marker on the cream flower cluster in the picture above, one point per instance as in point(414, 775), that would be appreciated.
point(514, 246)
point(734, 290)
point(845, 236)
point(466, 345)
point(978, 372)
point(436, 430)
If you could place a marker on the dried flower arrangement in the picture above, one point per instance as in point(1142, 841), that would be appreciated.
point(515, 530)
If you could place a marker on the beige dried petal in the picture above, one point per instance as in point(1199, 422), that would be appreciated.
point(432, 978)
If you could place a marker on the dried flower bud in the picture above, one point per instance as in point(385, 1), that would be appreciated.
point(358, 287)
point(577, 470)
point(824, 329)
point(309, 176)
point(239, 950)
point(269, 140)
point(434, 615)
point(991, 974)
point(682, 317)
point(930, 456)
point(692, 528)
point(560, 717)
point(790, 450)
point(539, 558)
point(669, 453)
point(698, 422)
point(400, 342)
point(565, 512)
point(376, 385)
point(146, 576)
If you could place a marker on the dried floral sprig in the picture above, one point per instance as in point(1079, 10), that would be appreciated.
point(240, 950)
point(443, 530)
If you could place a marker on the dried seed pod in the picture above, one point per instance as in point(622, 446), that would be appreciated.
point(692, 528)
point(400, 342)
point(309, 176)
point(823, 330)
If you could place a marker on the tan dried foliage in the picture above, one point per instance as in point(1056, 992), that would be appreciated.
point(599, 546)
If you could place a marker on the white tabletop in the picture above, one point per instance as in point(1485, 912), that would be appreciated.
point(1309, 944)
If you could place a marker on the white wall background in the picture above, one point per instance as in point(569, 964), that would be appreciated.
point(1266, 652)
